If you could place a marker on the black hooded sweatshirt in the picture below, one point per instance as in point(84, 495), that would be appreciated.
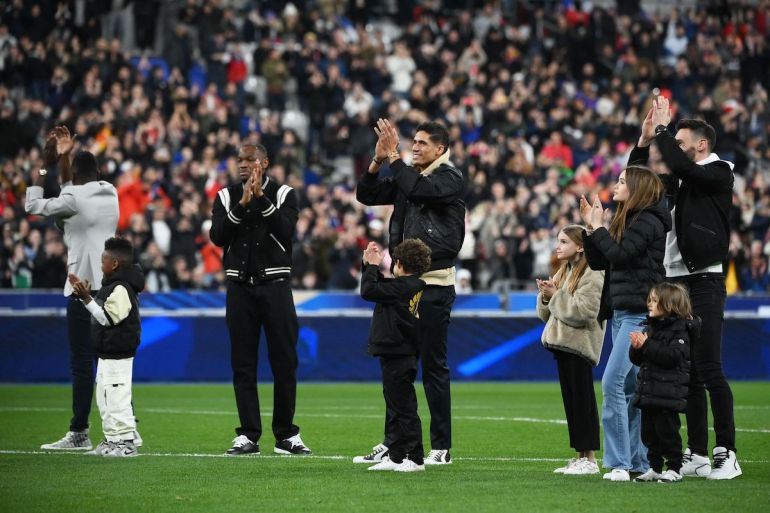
point(119, 340)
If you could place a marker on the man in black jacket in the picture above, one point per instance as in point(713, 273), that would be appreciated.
point(700, 196)
point(254, 222)
point(428, 205)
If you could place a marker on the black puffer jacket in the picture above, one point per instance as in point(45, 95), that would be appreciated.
point(118, 341)
point(664, 363)
point(426, 207)
point(636, 262)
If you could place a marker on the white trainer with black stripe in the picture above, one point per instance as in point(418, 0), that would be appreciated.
point(725, 465)
point(379, 452)
point(438, 457)
point(695, 465)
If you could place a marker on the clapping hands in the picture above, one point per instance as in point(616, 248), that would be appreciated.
point(592, 214)
point(546, 287)
point(372, 254)
point(638, 339)
point(80, 289)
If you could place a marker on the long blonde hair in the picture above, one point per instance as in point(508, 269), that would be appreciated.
point(644, 189)
point(575, 232)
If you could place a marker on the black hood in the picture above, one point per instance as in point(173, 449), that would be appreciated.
point(690, 325)
point(661, 211)
point(132, 274)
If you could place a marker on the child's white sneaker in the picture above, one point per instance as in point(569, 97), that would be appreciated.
point(617, 474)
point(561, 470)
point(670, 476)
point(409, 466)
point(695, 465)
point(582, 467)
point(725, 465)
point(648, 477)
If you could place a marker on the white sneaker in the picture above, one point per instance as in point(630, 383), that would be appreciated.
point(385, 464)
point(409, 466)
point(582, 467)
point(617, 474)
point(561, 470)
point(122, 449)
point(379, 452)
point(438, 457)
point(648, 477)
point(102, 449)
point(72, 441)
point(725, 465)
point(670, 476)
point(695, 465)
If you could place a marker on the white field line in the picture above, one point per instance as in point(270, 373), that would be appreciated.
point(171, 411)
point(11, 452)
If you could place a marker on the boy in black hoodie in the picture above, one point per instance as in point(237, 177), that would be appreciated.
point(116, 330)
point(662, 353)
point(393, 337)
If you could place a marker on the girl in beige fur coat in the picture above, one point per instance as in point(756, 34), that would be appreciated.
point(569, 304)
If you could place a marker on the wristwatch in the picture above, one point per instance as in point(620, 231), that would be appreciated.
point(43, 171)
point(660, 129)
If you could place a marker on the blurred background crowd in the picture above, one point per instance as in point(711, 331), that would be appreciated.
point(543, 101)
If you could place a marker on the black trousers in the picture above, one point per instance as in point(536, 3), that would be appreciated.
point(577, 392)
point(250, 308)
point(660, 433)
point(708, 301)
point(435, 310)
point(398, 375)
point(82, 358)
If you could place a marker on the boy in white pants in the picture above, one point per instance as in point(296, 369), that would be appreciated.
point(115, 330)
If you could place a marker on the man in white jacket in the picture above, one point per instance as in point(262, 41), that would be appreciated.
point(87, 212)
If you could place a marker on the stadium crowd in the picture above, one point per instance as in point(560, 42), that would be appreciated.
point(543, 104)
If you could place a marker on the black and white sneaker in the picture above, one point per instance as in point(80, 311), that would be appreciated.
point(242, 445)
point(293, 445)
point(379, 451)
point(122, 449)
point(438, 457)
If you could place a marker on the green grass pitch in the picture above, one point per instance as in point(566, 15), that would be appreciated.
point(508, 437)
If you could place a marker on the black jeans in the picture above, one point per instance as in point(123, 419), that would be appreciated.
point(398, 374)
point(249, 309)
point(577, 393)
point(660, 433)
point(707, 294)
point(435, 310)
point(82, 359)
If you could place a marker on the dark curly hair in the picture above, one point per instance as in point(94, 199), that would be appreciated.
point(120, 249)
point(414, 256)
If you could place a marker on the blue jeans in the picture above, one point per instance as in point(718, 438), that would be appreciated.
point(623, 446)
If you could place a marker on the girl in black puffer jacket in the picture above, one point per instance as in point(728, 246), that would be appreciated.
point(662, 353)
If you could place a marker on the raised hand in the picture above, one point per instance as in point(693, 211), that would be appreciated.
point(638, 339)
point(49, 151)
point(387, 136)
point(662, 112)
point(597, 213)
point(64, 141)
point(648, 129)
point(585, 212)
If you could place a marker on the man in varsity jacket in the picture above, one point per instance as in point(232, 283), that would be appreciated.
point(254, 222)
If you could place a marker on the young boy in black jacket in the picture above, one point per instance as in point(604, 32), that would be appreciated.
point(393, 337)
point(115, 331)
point(663, 356)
